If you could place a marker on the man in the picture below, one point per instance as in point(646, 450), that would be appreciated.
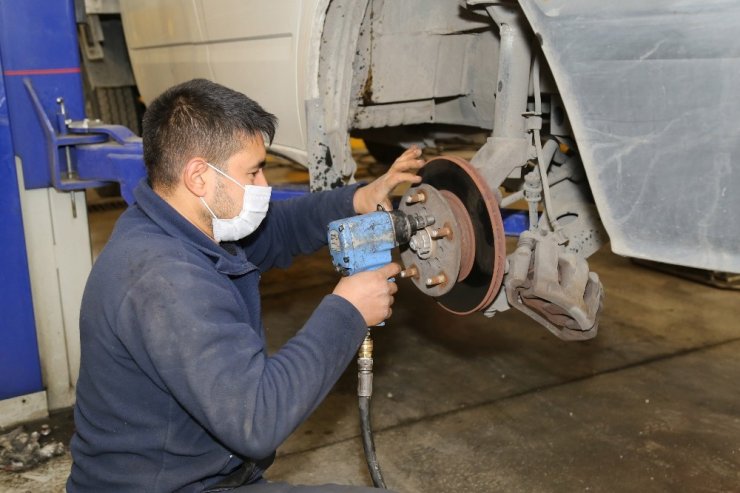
point(176, 389)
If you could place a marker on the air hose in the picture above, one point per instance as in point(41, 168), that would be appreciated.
point(364, 393)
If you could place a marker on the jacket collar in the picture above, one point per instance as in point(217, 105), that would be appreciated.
point(231, 262)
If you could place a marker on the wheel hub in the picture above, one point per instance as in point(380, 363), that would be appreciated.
point(459, 259)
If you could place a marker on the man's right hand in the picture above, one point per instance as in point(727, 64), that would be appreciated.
point(370, 292)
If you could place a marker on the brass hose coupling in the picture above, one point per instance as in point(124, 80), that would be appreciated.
point(365, 368)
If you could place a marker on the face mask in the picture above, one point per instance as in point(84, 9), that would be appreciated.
point(254, 207)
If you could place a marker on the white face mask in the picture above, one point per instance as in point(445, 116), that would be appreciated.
point(254, 207)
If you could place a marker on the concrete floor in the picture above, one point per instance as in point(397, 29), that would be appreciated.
point(484, 405)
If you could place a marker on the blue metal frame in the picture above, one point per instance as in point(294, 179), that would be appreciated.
point(20, 369)
point(515, 221)
point(39, 63)
point(38, 43)
point(46, 105)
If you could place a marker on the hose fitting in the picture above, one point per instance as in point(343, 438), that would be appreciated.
point(365, 368)
point(366, 349)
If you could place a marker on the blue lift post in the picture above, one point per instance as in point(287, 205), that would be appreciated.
point(27, 54)
point(40, 64)
point(20, 370)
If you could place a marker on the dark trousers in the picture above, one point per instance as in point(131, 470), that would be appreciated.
point(289, 488)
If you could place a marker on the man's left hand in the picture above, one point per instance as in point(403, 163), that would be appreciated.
point(403, 170)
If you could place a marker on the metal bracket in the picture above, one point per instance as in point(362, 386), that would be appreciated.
point(88, 154)
point(91, 34)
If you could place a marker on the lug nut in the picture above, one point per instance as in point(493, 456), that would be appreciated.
point(440, 278)
point(416, 198)
point(410, 272)
point(441, 232)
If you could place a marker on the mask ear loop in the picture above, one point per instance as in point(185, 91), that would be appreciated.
point(209, 209)
point(227, 176)
point(224, 174)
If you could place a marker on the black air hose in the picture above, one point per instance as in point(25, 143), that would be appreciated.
point(369, 444)
point(364, 393)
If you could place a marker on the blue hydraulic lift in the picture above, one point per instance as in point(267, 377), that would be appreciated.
point(20, 372)
point(41, 122)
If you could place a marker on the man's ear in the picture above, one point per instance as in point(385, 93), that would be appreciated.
point(194, 176)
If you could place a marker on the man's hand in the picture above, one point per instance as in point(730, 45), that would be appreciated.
point(370, 292)
point(403, 170)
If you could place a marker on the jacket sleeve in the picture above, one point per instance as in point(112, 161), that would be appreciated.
point(182, 322)
point(297, 226)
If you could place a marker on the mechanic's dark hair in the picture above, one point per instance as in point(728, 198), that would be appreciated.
point(198, 118)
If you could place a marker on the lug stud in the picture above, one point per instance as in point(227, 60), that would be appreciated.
point(440, 278)
point(418, 197)
point(441, 232)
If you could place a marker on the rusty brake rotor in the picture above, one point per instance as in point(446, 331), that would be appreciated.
point(460, 258)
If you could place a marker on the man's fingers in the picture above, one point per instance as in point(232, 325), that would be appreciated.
point(397, 178)
point(411, 152)
point(390, 270)
point(407, 164)
point(389, 181)
point(393, 288)
point(410, 155)
point(403, 171)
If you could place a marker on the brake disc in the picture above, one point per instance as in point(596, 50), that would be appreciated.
point(460, 259)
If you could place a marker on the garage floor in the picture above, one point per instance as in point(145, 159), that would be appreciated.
point(485, 405)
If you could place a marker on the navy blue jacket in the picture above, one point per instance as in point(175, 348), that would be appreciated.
point(176, 388)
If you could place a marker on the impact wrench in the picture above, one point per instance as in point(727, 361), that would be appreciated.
point(359, 244)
